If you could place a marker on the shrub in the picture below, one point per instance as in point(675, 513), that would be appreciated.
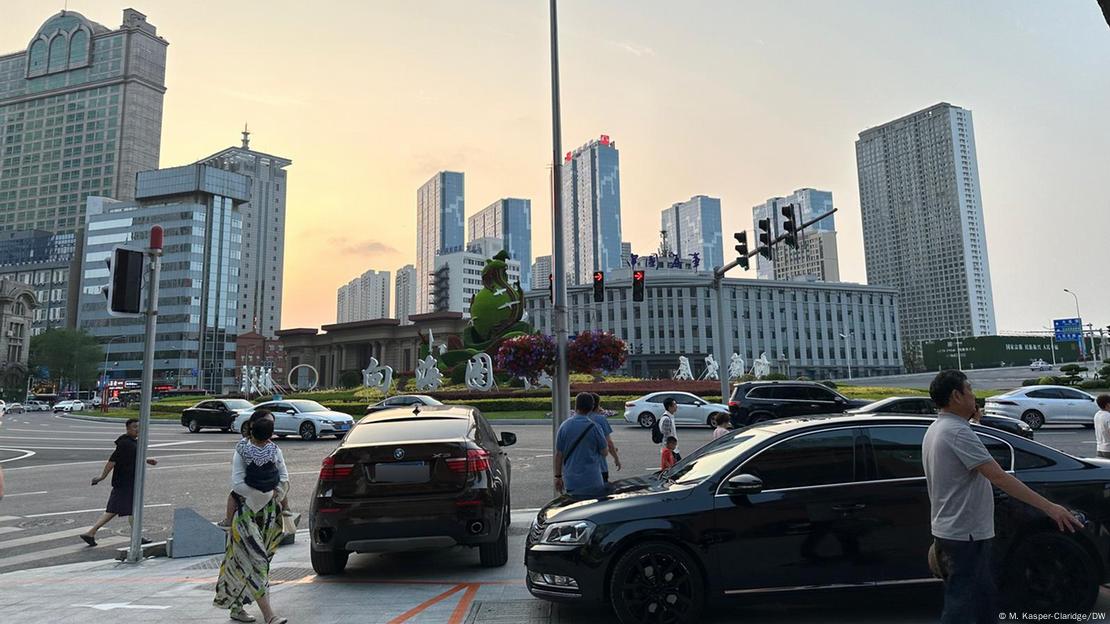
point(1093, 384)
point(803, 378)
point(776, 377)
point(595, 351)
point(401, 383)
point(526, 356)
point(828, 383)
point(458, 373)
point(1046, 381)
point(1030, 382)
point(350, 379)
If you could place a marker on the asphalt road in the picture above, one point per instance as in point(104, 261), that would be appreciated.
point(49, 461)
point(986, 378)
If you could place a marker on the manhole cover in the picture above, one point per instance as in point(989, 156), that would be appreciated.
point(46, 522)
point(290, 574)
point(511, 612)
point(208, 564)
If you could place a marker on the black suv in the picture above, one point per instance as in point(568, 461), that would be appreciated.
point(405, 480)
point(756, 401)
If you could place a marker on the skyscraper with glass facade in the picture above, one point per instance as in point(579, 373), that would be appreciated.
point(816, 258)
point(80, 115)
point(592, 210)
point(198, 209)
point(694, 226)
point(439, 229)
point(510, 220)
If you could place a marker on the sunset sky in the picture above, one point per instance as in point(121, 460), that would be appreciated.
point(739, 100)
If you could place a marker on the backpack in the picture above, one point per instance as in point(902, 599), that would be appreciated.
point(656, 433)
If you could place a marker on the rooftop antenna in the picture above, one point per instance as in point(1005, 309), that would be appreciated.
point(246, 137)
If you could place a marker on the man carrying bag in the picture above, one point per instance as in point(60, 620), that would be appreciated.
point(580, 451)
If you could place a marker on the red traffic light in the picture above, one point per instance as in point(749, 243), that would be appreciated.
point(638, 276)
point(599, 276)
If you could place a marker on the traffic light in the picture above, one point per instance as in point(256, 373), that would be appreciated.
point(765, 238)
point(638, 285)
point(599, 286)
point(742, 250)
point(125, 282)
point(551, 287)
point(790, 225)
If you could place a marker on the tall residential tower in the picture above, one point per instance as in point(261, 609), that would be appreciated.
point(510, 220)
point(439, 229)
point(592, 210)
point(816, 258)
point(694, 227)
point(405, 294)
point(364, 298)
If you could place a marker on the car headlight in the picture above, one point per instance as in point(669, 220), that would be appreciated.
point(1023, 426)
point(568, 533)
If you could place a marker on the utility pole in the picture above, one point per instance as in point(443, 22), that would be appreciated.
point(959, 356)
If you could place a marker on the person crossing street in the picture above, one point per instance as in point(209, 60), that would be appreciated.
point(121, 465)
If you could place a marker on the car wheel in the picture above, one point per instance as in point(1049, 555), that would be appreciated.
point(328, 562)
point(495, 554)
point(194, 426)
point(646, 420)
point(1033, 418)
point(1050, 573)
point(307, 431)
point(712, 420)
point(759, 417)
point(656, 582)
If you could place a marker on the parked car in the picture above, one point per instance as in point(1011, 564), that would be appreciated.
point(1040, 365)
point(69, 406)
point(915, 406)
point(13, 408)
point(793, 500)
point(1040, 405)
point(402, 400)
point(692, 410)
point(307, 419)
point(400, 481)
point(756, 401)
point(36, 406)
point(217, 413)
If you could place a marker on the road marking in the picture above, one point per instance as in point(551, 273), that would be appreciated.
point(111, 448)
point(45, 537)
point(463, 607)
point(57, 552)
point(10, 518)
point(420, 608)
point(315, 472)
point(9, 529)
point(110, 606)
point(181, 466)
point(164, 444)
point(101, 461)
point(26, 494)
point(25, 455)
point(64, 513)
point(544, 455)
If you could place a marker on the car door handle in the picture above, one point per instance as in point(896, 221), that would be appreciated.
point(849, 507)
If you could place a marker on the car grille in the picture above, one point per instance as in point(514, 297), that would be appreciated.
point(536, 533)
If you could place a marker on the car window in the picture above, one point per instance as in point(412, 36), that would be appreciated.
point(1044, 393)
point(308, 406)
point(485, 430)
point(659, 398)
point(1068, 393)
point(390, 402)
point(999, 450)
point(819, 394)
point(925, 406)
point(822, 458)
point(1024, 460)
point(715, 455)
point(279, 407)
point(203, 405)
point(790, 393)
point(407, 430)
point(762, 392)
point(896, 452)
point(684, 399)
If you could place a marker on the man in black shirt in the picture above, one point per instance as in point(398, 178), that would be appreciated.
point(122, 466)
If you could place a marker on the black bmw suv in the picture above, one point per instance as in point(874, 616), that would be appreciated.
point(413, 479)
point(756, 401)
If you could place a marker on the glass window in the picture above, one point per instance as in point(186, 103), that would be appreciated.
point(819, 394)
point(822, 458)
point(1068, 393)
point(1024, 460)
point(999, 450)
point(1045, 393)
point(897, 452)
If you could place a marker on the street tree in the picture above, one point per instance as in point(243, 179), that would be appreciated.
point(70, 354)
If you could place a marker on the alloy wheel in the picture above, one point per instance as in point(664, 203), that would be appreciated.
point(657, 586)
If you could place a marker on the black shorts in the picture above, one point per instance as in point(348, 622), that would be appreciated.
point(120, 501)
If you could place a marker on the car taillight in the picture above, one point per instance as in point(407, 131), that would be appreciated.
point(331, 471)
point(1002, 402)
point(734, 404)
point(630, 404)
point(476, 460)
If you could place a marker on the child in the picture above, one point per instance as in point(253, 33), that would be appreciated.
point(233, 505)
point(669, 456)
point(724, 425)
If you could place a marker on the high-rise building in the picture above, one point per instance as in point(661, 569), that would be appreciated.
point(405, 293)
point(923, 227)
point(510, 220)
point(694, 227)
point(198, 209)
point(364, 298)
point(49, 264)
point(458, 275)
point(261, 270)
point(816, 257)
point(591, 210)
point(541, 273)
point(626, 253)
point(80, 116)
point(439, 228)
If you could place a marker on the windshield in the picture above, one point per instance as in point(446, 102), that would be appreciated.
point(429, 400)
point(238, 404)
point(711, 458)
point(308, 406)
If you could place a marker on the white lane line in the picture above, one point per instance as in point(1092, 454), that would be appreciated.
point(101, 461)
point(110, 448)
point(543, 455)
point(25, 455)
point(8, 518)
point(9, 529)
point(45, 537)
point(25, 494)
point(165, 444)
point(79, 511)
point(182, 466)
point(8, 562)
point(315, 472)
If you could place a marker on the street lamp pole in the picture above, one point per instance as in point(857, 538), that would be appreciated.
point(1080, 317)
point(848, 339)
point(959, 355)
point(104, 375)
point(1052, 338)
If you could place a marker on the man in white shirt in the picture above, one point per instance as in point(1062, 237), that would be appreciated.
point(1102, 425)
point(666, 422)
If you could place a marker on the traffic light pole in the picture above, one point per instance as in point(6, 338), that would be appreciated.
point(154, 252)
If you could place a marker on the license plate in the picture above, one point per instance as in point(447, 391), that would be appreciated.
point(342, 426)
point(401, 472)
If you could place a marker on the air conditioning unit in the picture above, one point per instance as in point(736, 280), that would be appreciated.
point(10, 333)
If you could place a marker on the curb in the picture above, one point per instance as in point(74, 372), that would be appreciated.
point(153, 421)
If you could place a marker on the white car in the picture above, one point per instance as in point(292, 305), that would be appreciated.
point(1039, 365)
point(1039, 405)
point(692, 410)
point(69, 406)
point(307, 419)
point(36, 406)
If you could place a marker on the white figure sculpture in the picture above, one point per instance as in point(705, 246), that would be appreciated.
point(761, 367)
point(267, 380)
point(246, 373)
point(736, 366)
point(545, 380)
point(428, 375)
point(378, 377)
point(712, 368)
point(684, 371)
point(479, 373)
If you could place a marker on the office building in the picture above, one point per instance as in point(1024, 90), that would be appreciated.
point(364, 298)
point(198, 209)
point(458, 275)
point(797, 324)
point(439, 226)
point(592, 210)
point(923, 231)
point(510, 220)
point(261, 270)
point(694, 227)
point(541, 273)
point(816, 257)
point(626, 253)
point(405, 293)
point(80, 115)
point(49, 264)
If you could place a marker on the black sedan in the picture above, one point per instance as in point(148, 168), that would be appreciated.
point(810, 504)
point(403, 400)
point(402, 480)
point(924, 406)
point(214, 413)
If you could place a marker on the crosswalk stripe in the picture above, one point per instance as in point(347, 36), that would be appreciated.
point(10, 518)
point(45, 537)
point(8, 562)
point(9, 529)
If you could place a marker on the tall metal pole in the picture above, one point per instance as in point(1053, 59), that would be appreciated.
point(560, 391)
point(1078, 316)
point(719, 333)
point(848, 338)
point(135, 553)
point(1052, 344)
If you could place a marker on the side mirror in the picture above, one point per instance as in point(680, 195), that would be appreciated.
point(507, 439)
point(742, 484)
point(699, 403)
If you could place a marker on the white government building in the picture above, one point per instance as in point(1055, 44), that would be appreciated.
point(797, 324)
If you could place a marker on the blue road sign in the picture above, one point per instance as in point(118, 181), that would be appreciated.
point(1068, 330)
